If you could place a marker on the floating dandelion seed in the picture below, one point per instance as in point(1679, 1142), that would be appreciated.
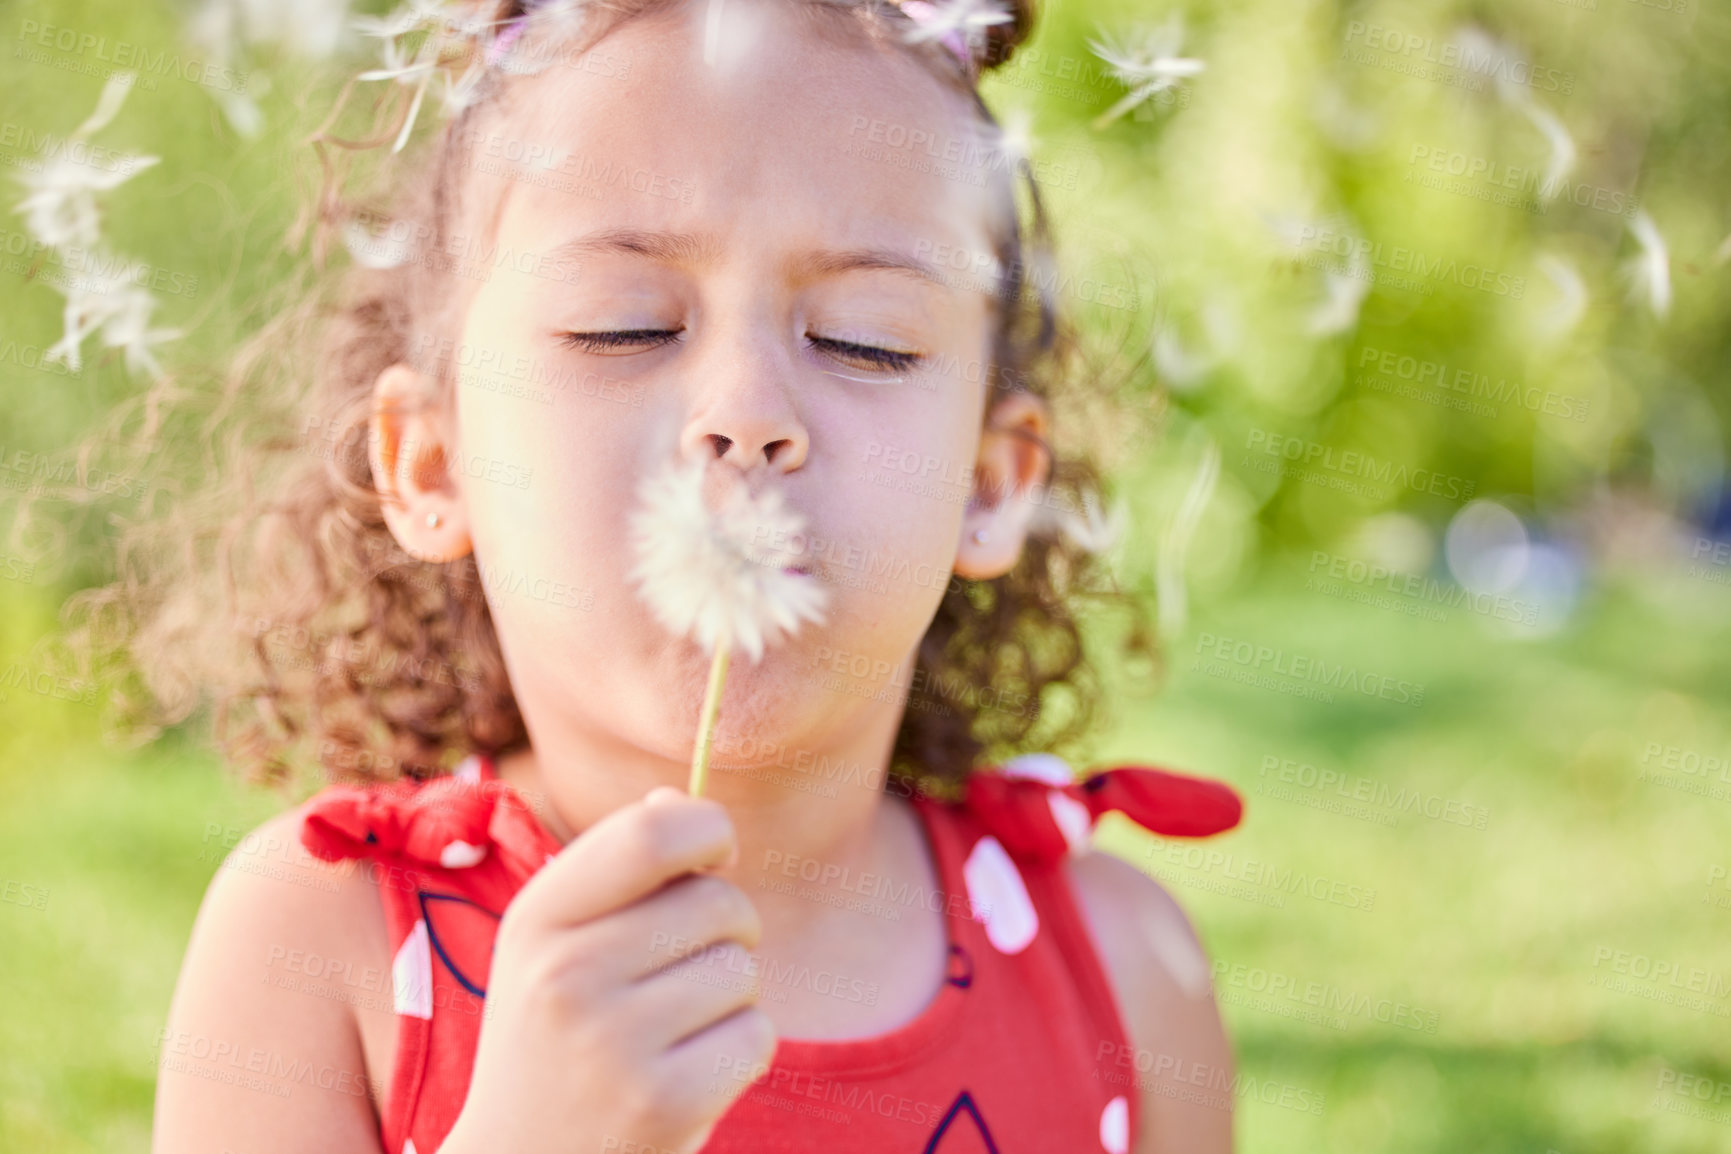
point(722, 579)
point(1094, 530)
point(959, 24)
point(60, 209)
point(1504, 61)
point(1571, 302)
point(1344, 293)
point(1147, 65)
point(1170, 591)
point(1649, 271)
point(61, 213)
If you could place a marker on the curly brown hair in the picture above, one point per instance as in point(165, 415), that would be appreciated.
point(270, 586)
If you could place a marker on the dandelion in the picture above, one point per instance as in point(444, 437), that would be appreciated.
point(1148, 65)
point(725, 579)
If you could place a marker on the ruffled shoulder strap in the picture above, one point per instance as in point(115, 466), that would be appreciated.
point(452, 822)
point(1038, 809)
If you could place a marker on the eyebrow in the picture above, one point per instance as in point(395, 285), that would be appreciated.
point(697, 249)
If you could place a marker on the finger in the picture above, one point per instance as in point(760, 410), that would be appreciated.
point(726, 1057)
point(684, 917)
point(630, 853)
point(690, 996)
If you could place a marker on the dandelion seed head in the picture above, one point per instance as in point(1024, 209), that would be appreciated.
point(721, 578)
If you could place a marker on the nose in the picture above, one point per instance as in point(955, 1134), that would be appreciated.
point(746, 417)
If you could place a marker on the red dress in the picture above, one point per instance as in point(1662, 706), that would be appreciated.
point(1012, 1055)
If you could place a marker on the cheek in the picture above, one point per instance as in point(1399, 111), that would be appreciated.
point(907, 482)
point(545, 480)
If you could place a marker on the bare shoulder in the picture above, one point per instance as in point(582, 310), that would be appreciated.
point(1180, 1059)
point(257, 1054)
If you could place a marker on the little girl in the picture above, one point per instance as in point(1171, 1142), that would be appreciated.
point(780, 238)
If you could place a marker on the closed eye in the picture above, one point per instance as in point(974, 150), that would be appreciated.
point(620, 340)
point(871, 356)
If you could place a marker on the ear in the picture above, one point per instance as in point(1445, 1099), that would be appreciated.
point(1013, 460)
point(407, 445)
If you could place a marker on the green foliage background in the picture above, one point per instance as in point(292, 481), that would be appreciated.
point(1504, 938)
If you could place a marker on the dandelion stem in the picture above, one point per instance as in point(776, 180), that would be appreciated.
point(706, 727)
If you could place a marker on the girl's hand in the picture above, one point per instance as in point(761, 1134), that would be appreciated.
point(601, 1031)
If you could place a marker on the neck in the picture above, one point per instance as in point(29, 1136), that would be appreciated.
point(804, 817)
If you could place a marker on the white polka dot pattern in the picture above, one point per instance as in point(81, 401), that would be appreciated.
point(1115, 1126)
point(998, 897)
point(1074, 820)
point(412, 974)
point(461, 855)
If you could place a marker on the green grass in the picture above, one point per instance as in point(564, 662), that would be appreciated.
point(1493, 932)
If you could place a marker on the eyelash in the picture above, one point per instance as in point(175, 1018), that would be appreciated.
point(890, 360)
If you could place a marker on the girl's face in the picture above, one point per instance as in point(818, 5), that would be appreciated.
point(753, 266)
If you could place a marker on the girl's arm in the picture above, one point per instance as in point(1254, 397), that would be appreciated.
point(250, 1060)
point(1163, 982)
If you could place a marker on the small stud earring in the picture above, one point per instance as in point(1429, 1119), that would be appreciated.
point(433, 520)
point(980, 536)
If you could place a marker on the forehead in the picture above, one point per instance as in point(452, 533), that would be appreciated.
point(805, 133)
